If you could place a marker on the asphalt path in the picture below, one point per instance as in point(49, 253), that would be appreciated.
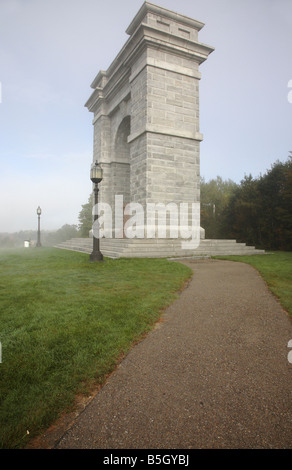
point(213, 374)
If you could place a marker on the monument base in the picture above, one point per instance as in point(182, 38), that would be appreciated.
point(159, 248)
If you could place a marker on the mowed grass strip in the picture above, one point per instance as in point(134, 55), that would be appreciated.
point(276, 270)
point(64, 324)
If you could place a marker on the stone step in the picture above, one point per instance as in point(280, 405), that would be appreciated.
point(158, 248)
point(157, 242)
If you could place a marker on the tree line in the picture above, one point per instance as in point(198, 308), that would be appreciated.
point(48, 238)
point(257, 211)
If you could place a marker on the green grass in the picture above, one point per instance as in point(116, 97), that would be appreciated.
point(276, 270)
point(64, 325)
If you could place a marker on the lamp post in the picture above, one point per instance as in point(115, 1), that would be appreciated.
point(96, 177)
point(39, 211)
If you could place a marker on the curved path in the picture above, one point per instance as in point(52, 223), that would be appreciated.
point(213, 374)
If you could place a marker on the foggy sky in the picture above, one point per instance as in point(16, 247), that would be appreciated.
point(50, 52)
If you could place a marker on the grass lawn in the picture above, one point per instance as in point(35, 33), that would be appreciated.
point(64, 325)
point(276, 270)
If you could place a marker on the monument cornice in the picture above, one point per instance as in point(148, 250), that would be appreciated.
point(142, 36)
point(148, 7)
point(113, 84)
point(179, 44)
point(196, 51)
point(96, 99)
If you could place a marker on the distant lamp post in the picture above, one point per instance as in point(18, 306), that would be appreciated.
point(96, 177)
point(39, 211)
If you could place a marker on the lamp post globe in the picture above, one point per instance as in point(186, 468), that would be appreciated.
point(96, 177)
point(96, 173)
point(39, 211)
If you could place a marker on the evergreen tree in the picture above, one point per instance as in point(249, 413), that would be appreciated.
point(259, 211)
point(215, 196)
point(85, 218)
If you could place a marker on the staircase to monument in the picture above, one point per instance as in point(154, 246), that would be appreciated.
point(158, 248)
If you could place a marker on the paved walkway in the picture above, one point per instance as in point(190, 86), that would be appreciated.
point(213, 374)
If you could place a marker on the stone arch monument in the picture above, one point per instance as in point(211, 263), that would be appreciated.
point(146, 123)
point(147, 140)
